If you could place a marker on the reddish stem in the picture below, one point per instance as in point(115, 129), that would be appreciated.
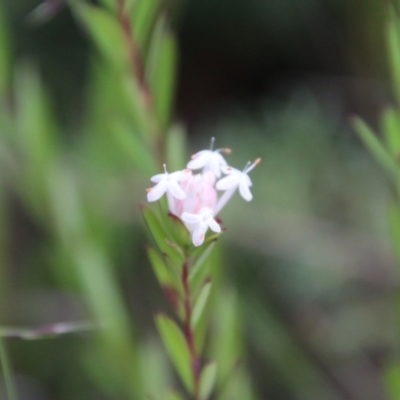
point(137, 67)
point(189, 333)
point(134, 52)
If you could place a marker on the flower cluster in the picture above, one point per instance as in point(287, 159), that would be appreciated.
point(194, 197)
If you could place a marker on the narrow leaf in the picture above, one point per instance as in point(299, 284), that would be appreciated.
point(133, 146)
point(200, 303)
point(105, 32)
point(34, 120)
point(393, 43)
point(207, 380)
point(168, 279)
point(4, 52)
point(110, 4)
point(161, 69)
point(177, 348)
point(174, 396)
point(144, 15)
point(392, 380)
point(394, 224)
point(200, 261)
point(370, 139)
point(391, 129)
point(164, 87)
point(36, 134)
point(179, 230)
point(160, 236)
point(159, 268)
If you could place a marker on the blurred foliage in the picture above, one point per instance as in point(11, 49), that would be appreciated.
point(308, 283)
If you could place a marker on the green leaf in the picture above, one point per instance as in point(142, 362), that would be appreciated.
point(177, 348)
point(4, 53)
point(159, 268)
point(207, 380)
point(36, 134)
point(143, 15)
point(370, 139)
point(393, 43)
point(168, 280)
point(200, 261)
point(133, 146)
point(176, 148)
point(106, 33)
point(394, 223)
point(200, 303)
point(116, 96)
point(174, 396)
point(161, 70)
point(391, 129)
point(110, 4)
point(164, 88)
point(179, 230)
point(34, 120)
point(164, 243)
point(392, 380)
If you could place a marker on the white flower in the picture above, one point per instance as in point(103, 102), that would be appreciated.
point(168, 183)
point(193, 197)
point(200, 192)
point(209, 160)
point(199, 223)
point(235, 179)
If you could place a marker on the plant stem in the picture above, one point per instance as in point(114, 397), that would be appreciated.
point(189, 333)
point(134, 52)
point(6, 367)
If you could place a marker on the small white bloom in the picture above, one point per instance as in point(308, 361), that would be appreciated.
point(199, 223)
point(240, 179)
point(168, 183)
point(209, 160)
point(235, 179)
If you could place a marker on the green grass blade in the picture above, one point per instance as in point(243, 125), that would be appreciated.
point(370, 139)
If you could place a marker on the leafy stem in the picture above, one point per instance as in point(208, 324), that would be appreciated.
point(134, 51)
point(189, 332)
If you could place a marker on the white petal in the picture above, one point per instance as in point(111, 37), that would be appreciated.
point(191, 218)
point(220, 159)
point(157, 191)
point(214, 165)
point(227, 170)
point(244, 190)
point(213, 224)
point(199, 160)
point(247, 179)
point(158, 178)
point(199, 233)
point(180, 175)
point(176, 190)
point(228, 182)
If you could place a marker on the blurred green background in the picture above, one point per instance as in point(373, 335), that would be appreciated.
point(310, 258)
